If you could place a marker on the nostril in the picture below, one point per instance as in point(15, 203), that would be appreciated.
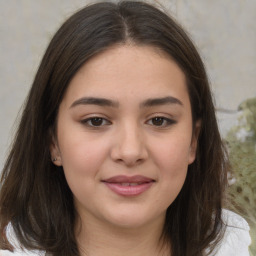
point(129, 147)
point(129, 162)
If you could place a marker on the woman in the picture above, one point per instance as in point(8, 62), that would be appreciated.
point(118, 150)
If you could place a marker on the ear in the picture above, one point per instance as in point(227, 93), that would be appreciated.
point(194, 142)
point(55, 152)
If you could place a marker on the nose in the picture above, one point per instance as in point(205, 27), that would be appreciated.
point(129, 146)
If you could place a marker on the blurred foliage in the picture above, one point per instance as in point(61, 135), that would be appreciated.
point(241, 141)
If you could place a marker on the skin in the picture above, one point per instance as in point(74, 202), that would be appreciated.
point(128, 140)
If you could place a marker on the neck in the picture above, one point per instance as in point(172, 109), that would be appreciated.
point(99, 239)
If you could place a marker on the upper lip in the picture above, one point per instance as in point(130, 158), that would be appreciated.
point(128, 179)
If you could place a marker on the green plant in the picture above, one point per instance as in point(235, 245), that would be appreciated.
point(241, 141)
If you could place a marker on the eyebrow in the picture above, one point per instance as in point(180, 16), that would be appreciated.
point(109, 103)
point(161, 101)
point(95, 101)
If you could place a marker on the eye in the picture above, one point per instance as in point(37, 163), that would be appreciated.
point(161, 121)
point(95, 122)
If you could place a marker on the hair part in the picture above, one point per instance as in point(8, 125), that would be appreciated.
point(40, 205)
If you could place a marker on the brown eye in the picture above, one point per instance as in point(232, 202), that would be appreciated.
point(95, 122)
point(161, 121)
point(158, 121)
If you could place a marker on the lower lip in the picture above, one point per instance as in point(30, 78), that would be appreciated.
point(129, 190)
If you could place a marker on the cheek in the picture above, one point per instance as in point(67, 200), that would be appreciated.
point(81, 164)
point(82, 156)
point(172, 160)
point(172, 155)
point(173, 168)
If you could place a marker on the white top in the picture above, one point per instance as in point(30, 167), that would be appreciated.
point(235, 242)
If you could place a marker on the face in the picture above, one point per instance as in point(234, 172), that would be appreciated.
point(124, 136)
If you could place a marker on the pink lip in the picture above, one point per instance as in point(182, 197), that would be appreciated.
point(129, 186)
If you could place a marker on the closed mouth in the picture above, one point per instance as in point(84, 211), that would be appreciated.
point(132, 180)
point(129, 186)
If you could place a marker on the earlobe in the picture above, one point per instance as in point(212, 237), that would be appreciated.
point(55, 153)
point(194, 142)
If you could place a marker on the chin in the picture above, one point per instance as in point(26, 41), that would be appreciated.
point(135, 219)
point(128, 223)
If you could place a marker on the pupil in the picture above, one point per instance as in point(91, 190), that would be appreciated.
point(157, 121)
point(96, 121)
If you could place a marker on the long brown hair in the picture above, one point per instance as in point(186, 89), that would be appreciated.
point(35, 197)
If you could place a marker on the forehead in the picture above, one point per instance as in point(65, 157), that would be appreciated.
point(129, 71)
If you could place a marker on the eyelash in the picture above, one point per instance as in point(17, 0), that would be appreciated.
point(88, 122)
point(167, 121)
point(164, 122)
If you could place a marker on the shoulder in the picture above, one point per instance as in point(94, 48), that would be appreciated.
point(18, 251)
point(236, 239)
point(235, 242)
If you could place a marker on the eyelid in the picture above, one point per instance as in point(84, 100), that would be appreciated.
point(168, 121)
point(86, 121)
